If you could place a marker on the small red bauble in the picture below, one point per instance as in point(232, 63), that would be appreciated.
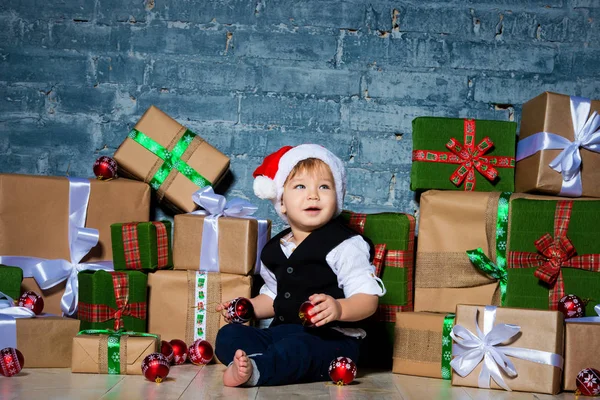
point(167, 350)
point(240, 310)
point(11, 361)
point(571, 306)
point(303, 314)
point(155, 367)
point(180, 351)
point(588, 382)
point(342, 370)
point(105, 168)
point(33, 301)
point(200, 352)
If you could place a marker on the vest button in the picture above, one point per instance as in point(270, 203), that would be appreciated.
point(281, 318)
point(287, 295)
point(290, 270)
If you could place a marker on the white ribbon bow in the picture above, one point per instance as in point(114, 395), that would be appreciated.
point(568, 162)
point(216, 206)
point(587, 319)
point(470, 349)
point(49, 273)
point(8, 326)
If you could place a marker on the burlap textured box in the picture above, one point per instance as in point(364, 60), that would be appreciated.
point(34, 220)
point(135, 161)
point(582, 350)
point(237, 243)
point(551, 112)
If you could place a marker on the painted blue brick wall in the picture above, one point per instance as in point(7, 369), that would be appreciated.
point(251, 76)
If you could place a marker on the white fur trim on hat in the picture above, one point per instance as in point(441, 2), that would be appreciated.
point(264, 188)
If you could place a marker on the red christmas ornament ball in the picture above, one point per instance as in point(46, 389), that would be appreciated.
point(11, 361)
point(105, 168)
point(588, 382)
point(342, 370)
point(155, 367)
point(167, 350)
point(240, 310)
point(200, 352)
point(33, 301)
point(571, 306)
point(180, 351)
point(303, 314)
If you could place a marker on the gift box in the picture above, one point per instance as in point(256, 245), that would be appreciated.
point(113, 300)
point(171, 158)
point(532, 340)
point(31, 228)
point(10, 281)
point(463, 154)
point(549, 123)
point(142, 245)
point(92, 355)
point(582, 350)
point(553, 251)
point(422, 344)
point(183, 303)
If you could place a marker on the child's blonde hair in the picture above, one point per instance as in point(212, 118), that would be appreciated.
point(310, 166)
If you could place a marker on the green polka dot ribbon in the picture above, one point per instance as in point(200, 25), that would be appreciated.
point(480, 260)
point(447, 346)
point(172, 158)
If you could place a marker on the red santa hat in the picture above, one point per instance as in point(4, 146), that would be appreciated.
point(270, 176)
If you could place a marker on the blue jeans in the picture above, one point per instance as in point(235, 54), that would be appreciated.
point(287, 353)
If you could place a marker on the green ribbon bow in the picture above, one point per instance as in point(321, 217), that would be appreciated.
point(172, 159)
point(114, 345)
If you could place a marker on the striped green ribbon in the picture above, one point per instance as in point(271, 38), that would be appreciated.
point(480, 260)
point(114, 345)
point(447, 346)
point(172, 159)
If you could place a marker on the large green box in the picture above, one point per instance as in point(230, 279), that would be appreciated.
point(430, 136)
point(10, 281)
point(136, 246)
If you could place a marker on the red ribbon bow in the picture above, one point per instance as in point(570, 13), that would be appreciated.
point(557, 253)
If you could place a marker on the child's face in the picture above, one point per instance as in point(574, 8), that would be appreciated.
point(309, 199)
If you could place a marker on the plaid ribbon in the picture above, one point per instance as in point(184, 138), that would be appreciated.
point(378, 258)
point(131, 245)
point(555, 253)
point(469, 156)
point(102, 312)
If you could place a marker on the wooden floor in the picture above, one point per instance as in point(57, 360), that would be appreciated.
point(189, 382)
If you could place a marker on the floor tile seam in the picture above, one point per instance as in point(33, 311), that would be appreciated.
point(191, 380)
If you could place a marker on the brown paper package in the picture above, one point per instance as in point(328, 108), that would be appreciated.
point(551, 112)
point(46, 342)
point(582, 350)
point(540, 330)
point(237, 243)
point(34, 220)
point(418, 344)
point(171, 302)
point(90, 353)
point(137, 162)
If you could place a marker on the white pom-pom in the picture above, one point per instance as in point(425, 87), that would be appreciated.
point(264, 188)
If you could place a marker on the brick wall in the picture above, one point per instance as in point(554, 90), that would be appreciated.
point(251, 76)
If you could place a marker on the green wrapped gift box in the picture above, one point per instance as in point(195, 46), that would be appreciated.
point(463, 154)
point(113, 300)
point(142, 245)
point(553, 251)
point(10, 281)
point(393, 235)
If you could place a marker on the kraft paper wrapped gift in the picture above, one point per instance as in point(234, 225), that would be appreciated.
point(422, 344)
point(34, 220)
point(171, 158)
point(551, 118)
point(10, 281)
point(553, 251)
point(534, 330)
point(237, 243)
point(142, 245)
point(463, 154)
point(582, 348)
point(92, 355)
point(182, 303)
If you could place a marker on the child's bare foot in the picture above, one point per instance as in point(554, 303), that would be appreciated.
point(239, 372)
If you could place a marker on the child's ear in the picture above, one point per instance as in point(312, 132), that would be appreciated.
point(282, 208)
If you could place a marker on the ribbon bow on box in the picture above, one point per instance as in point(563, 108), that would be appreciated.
point(216, 206)
point(470, 349)
point(8, 325)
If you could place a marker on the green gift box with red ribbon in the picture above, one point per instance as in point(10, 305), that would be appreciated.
point(553, 250)
point(142, 245)
point(463, 154)
point(113, 300)
point(10, 281)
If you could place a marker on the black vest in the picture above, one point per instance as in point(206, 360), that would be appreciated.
point(306, 271)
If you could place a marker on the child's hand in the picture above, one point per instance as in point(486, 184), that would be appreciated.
point(325, 310)
point(222, 308)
